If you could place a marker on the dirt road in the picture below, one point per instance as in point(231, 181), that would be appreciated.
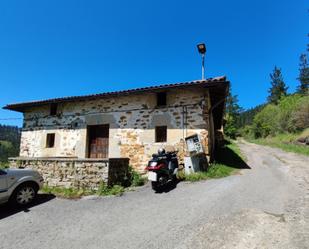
point(266, 206)
point(274, 207)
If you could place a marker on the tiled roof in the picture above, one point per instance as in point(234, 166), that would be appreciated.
point(211, 82)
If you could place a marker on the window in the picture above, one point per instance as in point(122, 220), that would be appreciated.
point(50, 140)
point(161, 99)
point(53, 109)
point(161, 134)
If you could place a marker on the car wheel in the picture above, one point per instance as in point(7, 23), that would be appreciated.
point(24, 194)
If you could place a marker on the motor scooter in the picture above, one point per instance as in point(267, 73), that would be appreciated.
point(162, 169)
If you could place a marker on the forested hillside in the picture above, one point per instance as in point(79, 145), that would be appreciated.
point(289, 115)
point(9, 142)
point(246, 117)
point(283, 121)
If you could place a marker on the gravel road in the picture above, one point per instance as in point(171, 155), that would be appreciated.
point(266, 206)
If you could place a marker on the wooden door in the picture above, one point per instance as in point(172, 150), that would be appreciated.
point(98, 136)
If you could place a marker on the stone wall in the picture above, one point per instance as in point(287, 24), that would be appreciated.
point(78, 173)
point(132, 120)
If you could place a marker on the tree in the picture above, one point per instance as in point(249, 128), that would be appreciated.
point(9, 142)
point(265, 122)
point(303, 75)
point(231, 115)
point(278, 88)
point(246, 117)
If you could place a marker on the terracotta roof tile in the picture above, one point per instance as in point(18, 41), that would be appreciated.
point(211, 82)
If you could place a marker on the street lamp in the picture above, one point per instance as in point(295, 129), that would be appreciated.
point(202, 50)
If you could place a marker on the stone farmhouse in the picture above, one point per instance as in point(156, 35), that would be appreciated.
point(76, 140)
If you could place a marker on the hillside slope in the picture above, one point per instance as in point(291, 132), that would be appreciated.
point(9, 142)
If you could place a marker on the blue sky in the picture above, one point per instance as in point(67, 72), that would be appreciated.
point(62, 48)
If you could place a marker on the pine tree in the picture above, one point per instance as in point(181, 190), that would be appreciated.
point(246, 117)
point(278, 88)
point(303, 77)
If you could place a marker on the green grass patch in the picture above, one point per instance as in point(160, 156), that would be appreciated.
point(70, 193)
point(136, 179)
point(232, 146)
point(75, 193)
point(107, 190)
point(228, 161)
point(4, 164)
point(215, 170)
point(285, 142)
point(218, 170)
point(231, 156)
point(5, 144)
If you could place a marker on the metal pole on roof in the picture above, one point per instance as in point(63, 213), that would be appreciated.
point(202, 50)
point(203, 66)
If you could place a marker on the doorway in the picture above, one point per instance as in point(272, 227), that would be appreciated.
point(98, 136)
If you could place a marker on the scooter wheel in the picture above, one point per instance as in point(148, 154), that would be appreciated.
point(156, 186)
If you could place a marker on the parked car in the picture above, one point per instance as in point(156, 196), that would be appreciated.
point(19, 186)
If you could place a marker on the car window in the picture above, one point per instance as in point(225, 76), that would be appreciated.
point(2, 172)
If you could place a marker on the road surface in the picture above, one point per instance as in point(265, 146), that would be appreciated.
point(266, 206)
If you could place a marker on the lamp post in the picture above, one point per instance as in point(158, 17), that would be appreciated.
point(202, 50)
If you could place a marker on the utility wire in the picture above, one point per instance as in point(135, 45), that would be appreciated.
point(11, 118)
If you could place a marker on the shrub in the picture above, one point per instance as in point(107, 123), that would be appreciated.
point(265, 123)
point(290, 115)
point(247, 132)
point(109, 190)
point(196, 176)
point(287, 106)
point(70, 193)
point(73, 193)
point(4, 164)
point(6, 150)
point(135, 179)
point(299, 119)
point(215, 170)
point(230, 128)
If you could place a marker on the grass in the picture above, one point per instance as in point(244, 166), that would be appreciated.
point(75, 193)
point(4, 165)
point(70, 193)
point(228, 161)
point(135, 179)
point(5, 144)
point(215, 170)
point(106, 190)
point(232, 146)
point(285, 142)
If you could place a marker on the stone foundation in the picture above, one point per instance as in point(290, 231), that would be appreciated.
point(78, 173)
